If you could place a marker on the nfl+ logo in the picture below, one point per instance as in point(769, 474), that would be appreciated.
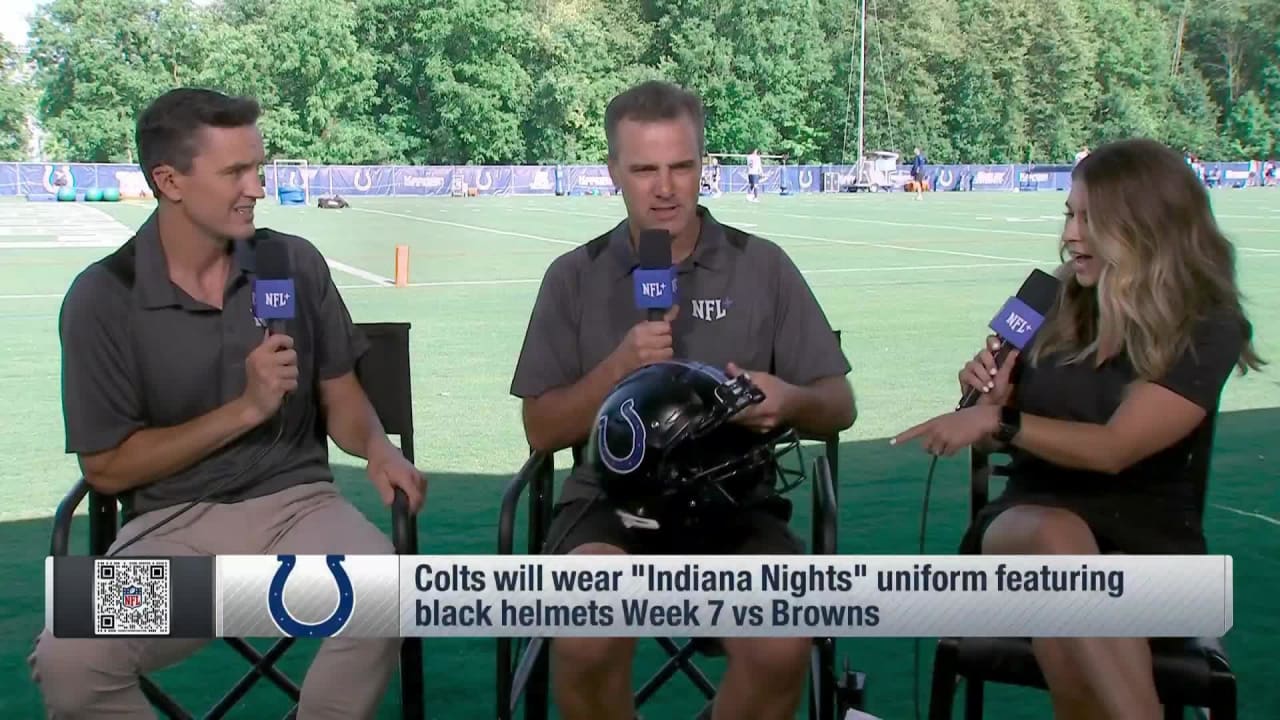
point(131, 595)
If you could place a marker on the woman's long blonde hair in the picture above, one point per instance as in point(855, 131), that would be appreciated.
point(1165, 264)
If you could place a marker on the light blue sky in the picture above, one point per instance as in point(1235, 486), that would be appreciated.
point(13, 19)
point(14, 14)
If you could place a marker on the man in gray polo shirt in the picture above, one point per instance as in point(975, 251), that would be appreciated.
point(173, 394)
point(741, 305)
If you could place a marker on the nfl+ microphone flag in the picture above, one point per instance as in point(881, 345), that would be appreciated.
point(274, 299)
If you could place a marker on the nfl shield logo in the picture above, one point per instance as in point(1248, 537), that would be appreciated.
point(132, 596)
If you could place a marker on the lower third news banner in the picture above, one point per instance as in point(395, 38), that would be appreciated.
point(640, 596)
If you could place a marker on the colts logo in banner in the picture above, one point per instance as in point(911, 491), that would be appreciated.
point(312, 596)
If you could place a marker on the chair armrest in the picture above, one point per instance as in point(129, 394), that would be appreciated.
point(404, 535)
point(58, 544)
point(538, 462)
point(1214, 652)
point(824, 511)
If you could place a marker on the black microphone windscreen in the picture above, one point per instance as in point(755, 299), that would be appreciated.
point(1018, 321)
point(272, 259)
point(1039, 291)
point(654, 249)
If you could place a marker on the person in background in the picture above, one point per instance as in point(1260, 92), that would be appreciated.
point(917, 173)
point(755, 173)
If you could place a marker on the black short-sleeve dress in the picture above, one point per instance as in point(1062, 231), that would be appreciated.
point(1152, 507)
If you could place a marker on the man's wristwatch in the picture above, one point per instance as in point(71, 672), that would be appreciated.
point(1010, 424)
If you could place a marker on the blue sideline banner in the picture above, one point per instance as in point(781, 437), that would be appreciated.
point(34, 179)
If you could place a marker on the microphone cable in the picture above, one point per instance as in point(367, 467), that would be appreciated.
point(213, 489)
point(915, 652)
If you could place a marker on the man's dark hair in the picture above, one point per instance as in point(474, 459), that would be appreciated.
point(653, 101)
point(167, 128)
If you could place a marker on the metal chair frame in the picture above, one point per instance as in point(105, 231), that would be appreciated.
point(384, 374)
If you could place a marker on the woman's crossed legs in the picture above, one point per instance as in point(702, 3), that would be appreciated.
point(1087, 677)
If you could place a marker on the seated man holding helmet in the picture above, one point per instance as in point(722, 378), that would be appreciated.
point(659, 433)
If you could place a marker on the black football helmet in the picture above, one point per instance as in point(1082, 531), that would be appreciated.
point(666, 455)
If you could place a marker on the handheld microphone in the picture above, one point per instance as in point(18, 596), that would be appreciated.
point(274, 297)
point(274, 305)
point(654, 281)
point(1018, 321)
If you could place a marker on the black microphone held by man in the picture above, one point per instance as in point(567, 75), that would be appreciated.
point(654, 280)
point(274, 294)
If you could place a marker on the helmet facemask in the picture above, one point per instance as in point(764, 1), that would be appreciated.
point(710, 468)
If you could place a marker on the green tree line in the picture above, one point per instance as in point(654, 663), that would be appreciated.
point(527, 81)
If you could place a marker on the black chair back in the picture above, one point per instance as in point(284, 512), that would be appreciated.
point(384, 375)
point(523, 666)
point(1192, 672)
point(1199, 461)
point(383, 372)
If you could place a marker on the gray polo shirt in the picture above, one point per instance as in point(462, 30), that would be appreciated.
point(139, 352)
point(741, 298)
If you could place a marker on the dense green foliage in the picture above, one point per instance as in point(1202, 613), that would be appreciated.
point(502, 81)
point(14, 105)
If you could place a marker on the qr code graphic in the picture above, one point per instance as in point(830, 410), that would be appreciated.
point(131, 597)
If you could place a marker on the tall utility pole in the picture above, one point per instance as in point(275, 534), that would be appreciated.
point(862, 81)
point(1177, 40)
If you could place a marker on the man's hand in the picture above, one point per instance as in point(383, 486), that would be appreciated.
point(389, 469)
point(646, 343)
point(271, 370)
point(768, 415)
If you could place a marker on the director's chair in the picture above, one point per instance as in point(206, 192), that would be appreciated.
point(384, 374)
point(1189, 672)
point(523, 663)
point(527, 676)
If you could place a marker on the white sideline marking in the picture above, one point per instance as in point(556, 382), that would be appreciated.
point(468, 227)
point(71, 225)
point(384, 283)
point(863, 243)
point(453, 283)
point(850, 242)
point(817, 271)
point(1246, 513)
point(62, 243)
point(357, 272)
point(558, 211)
point(914, 268)
point(960, 228)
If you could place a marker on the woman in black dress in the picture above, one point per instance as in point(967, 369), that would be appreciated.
point(1099, 417)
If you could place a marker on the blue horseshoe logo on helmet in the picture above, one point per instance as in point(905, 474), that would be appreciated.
point(328, 627)
point(632, 460)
